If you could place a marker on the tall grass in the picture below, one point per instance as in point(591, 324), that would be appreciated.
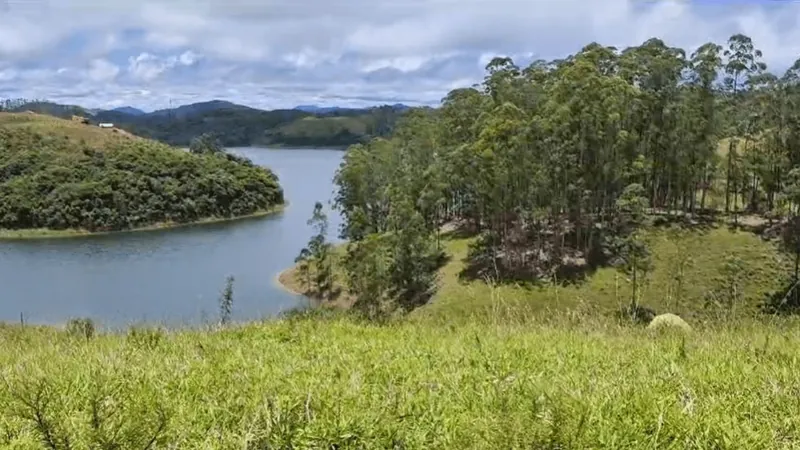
point(484, 366)
point(560, 381)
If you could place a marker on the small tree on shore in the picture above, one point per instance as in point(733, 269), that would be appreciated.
point(316, 256)
point(226, 302)
point(303, 267)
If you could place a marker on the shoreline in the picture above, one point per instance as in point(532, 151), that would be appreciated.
point(295, 147)
point(279, 281)
point(44, 233)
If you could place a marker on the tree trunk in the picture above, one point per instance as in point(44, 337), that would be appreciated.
point(728, 178)
point(634, 296)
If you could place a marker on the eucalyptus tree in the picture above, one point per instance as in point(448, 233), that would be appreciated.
point(543, 161)
point(703, 126)
point(742, 61)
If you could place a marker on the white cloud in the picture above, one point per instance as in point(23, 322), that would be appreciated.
point(7, 75)
point(147, 67)
point(279, 53)
point(102, 71)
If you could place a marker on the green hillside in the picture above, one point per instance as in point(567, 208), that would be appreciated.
point(236, 125)
point(65, 176)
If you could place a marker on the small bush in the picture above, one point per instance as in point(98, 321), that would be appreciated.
point(81, 328)
point(145, 338)
point(638, 314)
point(226, 302)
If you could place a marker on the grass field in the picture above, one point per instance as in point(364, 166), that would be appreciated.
point(689, 279)
point(563, 382)
point(478, 368)
point(94, 136)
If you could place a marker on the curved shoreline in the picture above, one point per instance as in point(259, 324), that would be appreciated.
point(44, 233)
point(278, 280)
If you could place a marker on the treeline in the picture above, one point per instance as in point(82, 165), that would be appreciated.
point(558, 164)
point(54, 182)
point(12, 104)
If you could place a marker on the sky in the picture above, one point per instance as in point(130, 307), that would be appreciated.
point(282, 53)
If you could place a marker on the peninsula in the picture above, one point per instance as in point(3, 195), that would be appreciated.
point(60, 178)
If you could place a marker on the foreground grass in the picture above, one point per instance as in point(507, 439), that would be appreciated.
point(567, 382)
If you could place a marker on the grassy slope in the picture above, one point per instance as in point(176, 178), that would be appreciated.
point(703, 254)
point(314, 383)
point(338, 131)
point(324, 125)
point(47, 125)
point(475, 369)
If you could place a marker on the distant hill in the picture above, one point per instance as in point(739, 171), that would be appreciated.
point(52, 109)
point(128, 110)
point(238, 125)
point(330, 109)
point(49, 125)
point(317, 109)
point(199, 108)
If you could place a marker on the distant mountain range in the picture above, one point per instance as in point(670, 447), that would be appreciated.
point(239, 125)
point(128, 110)
point(329, 109)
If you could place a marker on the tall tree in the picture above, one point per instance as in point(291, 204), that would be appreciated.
point(317, 257)
point(743, 61)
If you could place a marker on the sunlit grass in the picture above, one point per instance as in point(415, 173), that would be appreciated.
point(688, 271)
point(481, 367)
point(562, 382)
point(92, 135)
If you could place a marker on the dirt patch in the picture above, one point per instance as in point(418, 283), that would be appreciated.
point(289, 281)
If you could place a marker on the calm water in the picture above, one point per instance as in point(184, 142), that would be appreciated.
point(172, 276)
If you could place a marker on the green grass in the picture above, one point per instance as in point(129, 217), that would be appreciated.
point(94, 136)
point(703, 253)
point(564, 382)
point(478, 368)
point(688, 270)
point(316, 126)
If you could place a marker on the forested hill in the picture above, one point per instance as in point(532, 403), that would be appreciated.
point(558, 166)
point(238, 125)
point(57, 174)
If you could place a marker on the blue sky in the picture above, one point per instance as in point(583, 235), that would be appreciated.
point(282, 53)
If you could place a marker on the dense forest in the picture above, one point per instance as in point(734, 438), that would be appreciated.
point(51, 179)
point(237, 125)
point(557, 166)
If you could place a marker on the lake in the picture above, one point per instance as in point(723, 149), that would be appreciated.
point(173, 276)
